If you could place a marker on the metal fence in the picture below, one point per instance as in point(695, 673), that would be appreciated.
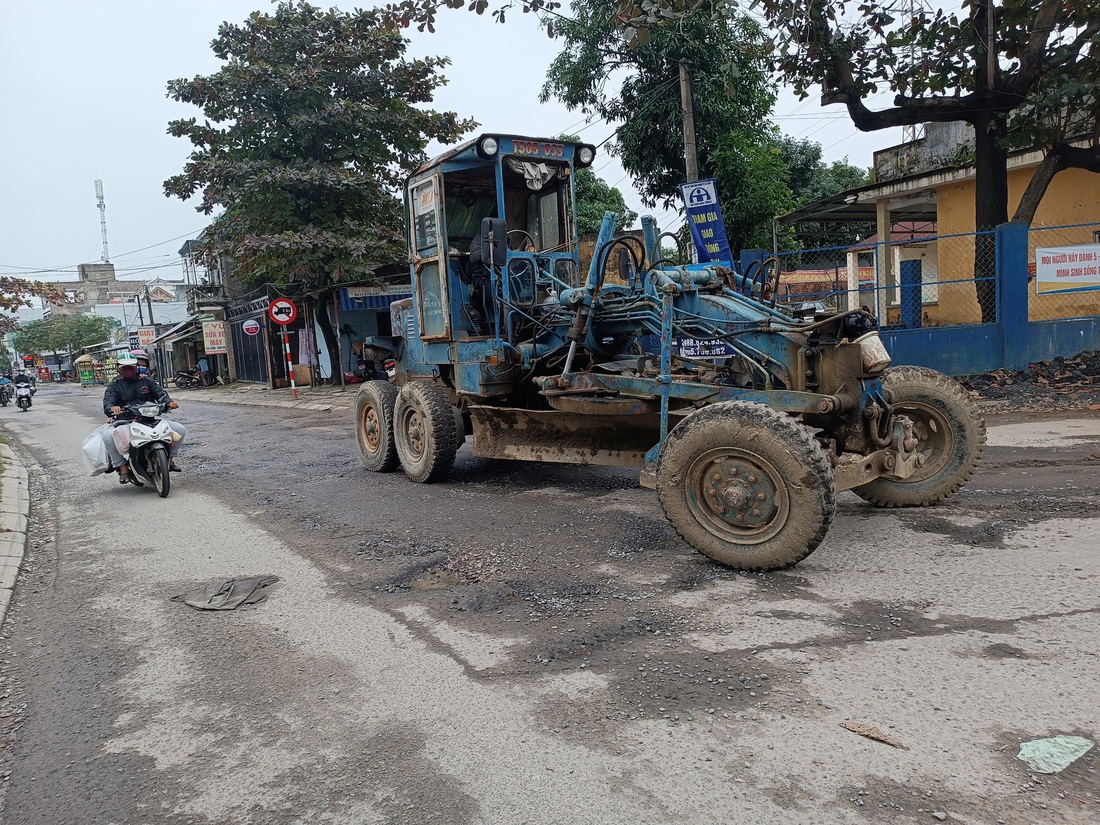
point(914, 279)
point(1051, 305)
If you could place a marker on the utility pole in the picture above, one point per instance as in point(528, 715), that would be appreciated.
point(149, 303)
point(691, 159)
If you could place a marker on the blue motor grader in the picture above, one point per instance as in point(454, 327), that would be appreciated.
point(508, 342)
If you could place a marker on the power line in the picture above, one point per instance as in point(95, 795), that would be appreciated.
point(64, 270)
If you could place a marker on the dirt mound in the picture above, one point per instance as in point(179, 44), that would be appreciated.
point(1059, 384)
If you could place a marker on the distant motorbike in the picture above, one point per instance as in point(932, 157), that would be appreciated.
point(145, 444)
point(185, 379)
point(5, 394)
point(23, 393)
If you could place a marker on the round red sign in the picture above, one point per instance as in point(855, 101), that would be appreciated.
point(282, 311)
point(251, 327)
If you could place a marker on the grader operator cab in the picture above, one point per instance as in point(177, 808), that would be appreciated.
point(506, 341)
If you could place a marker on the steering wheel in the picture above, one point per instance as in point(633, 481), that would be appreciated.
point(527, 243)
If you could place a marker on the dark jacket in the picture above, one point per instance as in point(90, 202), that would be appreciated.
point(120, 393)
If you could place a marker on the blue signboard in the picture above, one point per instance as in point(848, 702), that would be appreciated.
point(705, 219)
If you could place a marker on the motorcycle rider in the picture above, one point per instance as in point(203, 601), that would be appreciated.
point(144, 366)
point(24, 380)
point(6, 385)
point(128, 388)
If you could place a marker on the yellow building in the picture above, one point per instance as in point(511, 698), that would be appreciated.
point(919, 186)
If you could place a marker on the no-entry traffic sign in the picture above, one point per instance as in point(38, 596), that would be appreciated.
point(282, 311)
point(251, 327)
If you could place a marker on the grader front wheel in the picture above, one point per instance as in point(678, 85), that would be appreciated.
point(950, 434)
point(426, 432)
point(746, 485)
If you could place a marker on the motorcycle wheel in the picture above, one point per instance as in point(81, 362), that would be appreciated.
point(179, 382)
point(158, 470)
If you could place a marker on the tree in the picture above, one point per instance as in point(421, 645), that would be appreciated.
point(752, 171)
point(732, 92)
point(595, 197)
point(1012, 69)
point(15, 294)
point(810, 180)
point(309, 129)
point(62, 333)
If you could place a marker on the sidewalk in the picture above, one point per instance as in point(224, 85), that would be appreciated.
point(318, 399)
point(14, 510)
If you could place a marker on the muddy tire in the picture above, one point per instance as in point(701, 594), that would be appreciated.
point(951, 431)
point(425, 432)
point(374, 426)
point(746, 485)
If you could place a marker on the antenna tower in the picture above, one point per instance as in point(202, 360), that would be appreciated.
point(102, 218)
point(914, 131)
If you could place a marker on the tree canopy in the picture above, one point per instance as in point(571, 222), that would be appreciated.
point(15, 294)
point(308, 130)
point(642, 97)
point(62, 333)
point(594, 198)
point(1023, 73)
point(810, 179)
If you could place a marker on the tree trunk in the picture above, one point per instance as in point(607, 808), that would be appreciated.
point(1052, 164)
point(990, 208)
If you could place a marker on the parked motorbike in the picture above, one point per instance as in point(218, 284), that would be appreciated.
point(23, 393)
point(145, 444)
point(185, 379)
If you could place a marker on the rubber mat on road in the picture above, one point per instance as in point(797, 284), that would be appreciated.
point(228, 594)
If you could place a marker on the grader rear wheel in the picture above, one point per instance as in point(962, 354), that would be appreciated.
point(746, 485)
point(951, 434)
point(374, 426)
point(426, 432)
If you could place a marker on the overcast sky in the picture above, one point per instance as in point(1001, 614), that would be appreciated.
point(82, 96)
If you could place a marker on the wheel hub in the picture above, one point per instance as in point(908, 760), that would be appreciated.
point(739, 493)
point(414, 432)
point(371, 430)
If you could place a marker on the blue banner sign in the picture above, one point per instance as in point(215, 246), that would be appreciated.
point(705, 219)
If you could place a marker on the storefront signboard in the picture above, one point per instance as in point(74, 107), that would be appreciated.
point(213, 337)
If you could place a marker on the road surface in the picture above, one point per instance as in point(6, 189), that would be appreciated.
point(533, 644)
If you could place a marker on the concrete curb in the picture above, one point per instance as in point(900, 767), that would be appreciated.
point(261, 398)
point(15, 505)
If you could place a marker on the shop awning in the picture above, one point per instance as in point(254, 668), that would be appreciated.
point(180, 330)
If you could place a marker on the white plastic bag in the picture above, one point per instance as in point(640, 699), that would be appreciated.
point(95, 451)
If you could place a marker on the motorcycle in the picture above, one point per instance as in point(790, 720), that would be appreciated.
point(23, 393)
point(185, 379)
point(145, 445)
point(5, 394)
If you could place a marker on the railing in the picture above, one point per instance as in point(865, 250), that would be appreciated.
point(202, 296)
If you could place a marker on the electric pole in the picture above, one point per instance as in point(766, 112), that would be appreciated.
point(691, 159)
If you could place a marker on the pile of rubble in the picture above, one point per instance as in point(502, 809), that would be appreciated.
point(1060, 384)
